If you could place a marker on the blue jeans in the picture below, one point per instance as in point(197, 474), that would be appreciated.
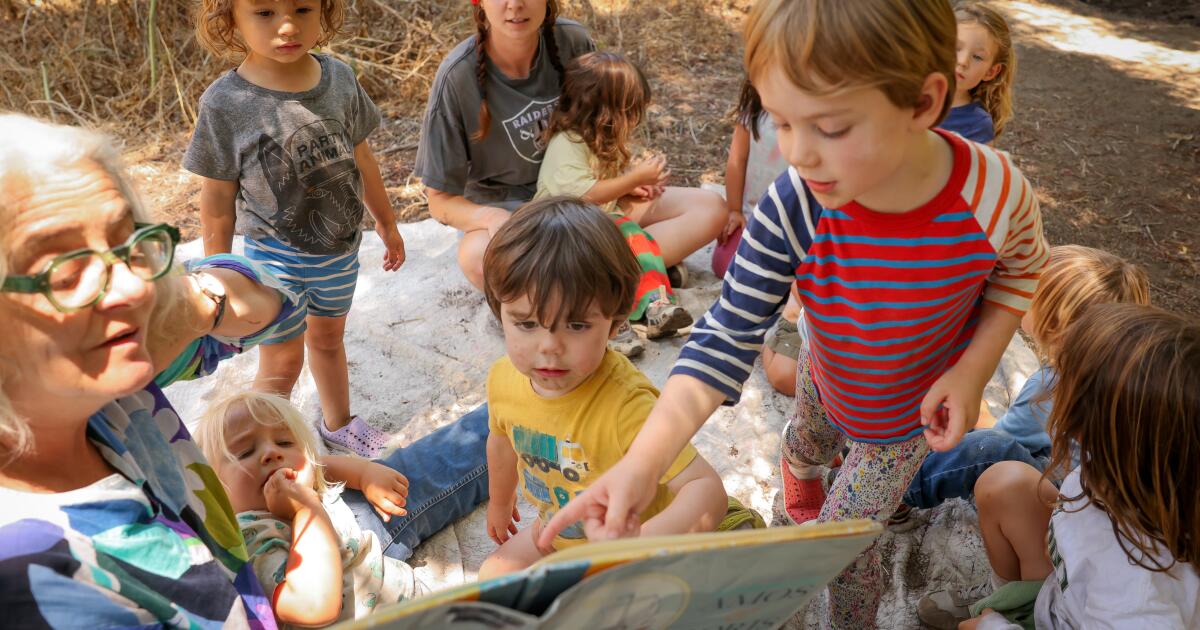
point(447, 478)
point(954, 473)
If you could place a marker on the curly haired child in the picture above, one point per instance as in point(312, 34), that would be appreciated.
point(985, 72)
point(560, 277)
point(281, 146)
point(604, 100)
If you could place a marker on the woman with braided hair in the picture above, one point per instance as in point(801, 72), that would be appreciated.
point(481, 140)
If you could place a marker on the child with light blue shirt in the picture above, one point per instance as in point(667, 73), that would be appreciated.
point(1076, 278)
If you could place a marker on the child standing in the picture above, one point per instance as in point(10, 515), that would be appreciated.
point(984, 74)
point(914, 254)
point(1120, 548)
point(1076, 278)
point(754, 162)
point(559, 277)
point(281, 145)
point(604, 99)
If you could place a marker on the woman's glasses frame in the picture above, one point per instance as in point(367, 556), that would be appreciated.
point(40, 283)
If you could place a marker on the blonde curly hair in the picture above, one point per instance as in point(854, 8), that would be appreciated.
point(995, 94)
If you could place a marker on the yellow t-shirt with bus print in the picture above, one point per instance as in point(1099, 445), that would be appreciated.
point(565, 443)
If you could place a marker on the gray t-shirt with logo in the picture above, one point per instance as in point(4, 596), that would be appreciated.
point(292, 154)
point(503, 168)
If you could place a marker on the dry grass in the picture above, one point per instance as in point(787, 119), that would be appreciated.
point(92, 62)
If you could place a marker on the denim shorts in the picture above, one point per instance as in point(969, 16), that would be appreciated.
point(324, 284)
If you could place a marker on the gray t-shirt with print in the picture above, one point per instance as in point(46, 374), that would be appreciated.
point(292, 154)
point(504, 166)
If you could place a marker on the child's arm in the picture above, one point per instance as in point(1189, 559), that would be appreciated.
point(649, 172)
point(698, 505)
point(376, 198)
point(311, 593)
point(385, 488)
point(710, 370)
point(951, 408)
point(463, 214)
point(735, 179)
point(502, 488)
point(217, 217)
point(1021, 256)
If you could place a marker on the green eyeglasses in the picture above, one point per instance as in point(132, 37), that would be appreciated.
point(79, 279)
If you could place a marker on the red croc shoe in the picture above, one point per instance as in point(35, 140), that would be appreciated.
point(802, 498)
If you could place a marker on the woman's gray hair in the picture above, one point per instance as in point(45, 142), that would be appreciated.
point(31, 149)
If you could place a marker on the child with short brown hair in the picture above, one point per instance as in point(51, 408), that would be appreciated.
point(562, 407)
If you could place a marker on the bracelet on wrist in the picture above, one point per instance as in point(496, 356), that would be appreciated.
point(212, 288)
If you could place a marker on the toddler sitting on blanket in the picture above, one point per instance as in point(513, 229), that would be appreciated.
point(563, 408)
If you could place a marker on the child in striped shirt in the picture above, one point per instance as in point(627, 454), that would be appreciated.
point(913, 252)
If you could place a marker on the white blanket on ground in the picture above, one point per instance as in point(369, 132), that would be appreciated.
point(419, 346)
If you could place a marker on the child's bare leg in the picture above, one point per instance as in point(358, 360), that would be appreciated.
point(781, 371)
point(327, 360)
point(681, 221)
point(1014, 517)
point(279, 366)
point(470, 255)
point(515, 554)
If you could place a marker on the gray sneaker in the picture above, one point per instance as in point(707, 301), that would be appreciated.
point(627, 342)
point(664, 319)
point(946, 608)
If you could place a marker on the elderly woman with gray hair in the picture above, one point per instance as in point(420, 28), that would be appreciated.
point(111, 515)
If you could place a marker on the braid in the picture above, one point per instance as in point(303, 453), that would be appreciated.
point(485, 114)
point(551, 42)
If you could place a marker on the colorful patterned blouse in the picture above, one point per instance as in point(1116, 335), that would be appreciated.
point(156, 544)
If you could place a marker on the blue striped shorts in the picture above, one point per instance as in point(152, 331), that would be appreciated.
point(324, 284)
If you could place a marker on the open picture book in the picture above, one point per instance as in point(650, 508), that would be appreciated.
point(742, 580)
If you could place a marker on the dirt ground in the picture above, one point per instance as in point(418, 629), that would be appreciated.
point(1107, 124)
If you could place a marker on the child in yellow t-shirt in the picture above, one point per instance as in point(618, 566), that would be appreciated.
point(562, 407)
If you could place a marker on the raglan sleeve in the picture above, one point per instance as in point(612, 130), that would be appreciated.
point(1023, 253)
point(725, 342)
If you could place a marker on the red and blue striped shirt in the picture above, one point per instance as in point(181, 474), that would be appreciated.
point(890, 300)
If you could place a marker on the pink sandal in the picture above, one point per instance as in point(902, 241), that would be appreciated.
point(802, 498)
point(358, 438)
